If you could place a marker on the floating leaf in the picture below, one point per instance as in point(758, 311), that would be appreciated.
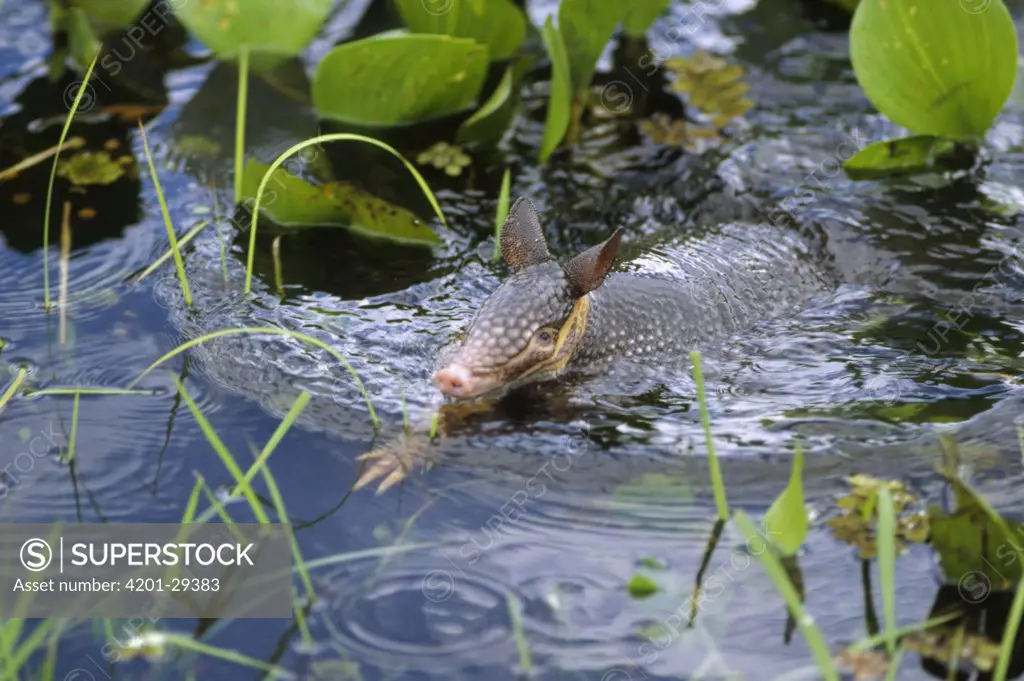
point(712, 85)
point(913, 154)
point(395, 79)
point(641, 587)
point(443, 156)
point(641, 15)
point(663, 129)
point(296, 203)
point(936, 68)
point(786, 520)
point(499, 24)
point(273, 30)
point(560, 101)
point(90, 167)
point(856, 525)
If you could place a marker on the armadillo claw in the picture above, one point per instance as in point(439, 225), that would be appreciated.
point(392, 461)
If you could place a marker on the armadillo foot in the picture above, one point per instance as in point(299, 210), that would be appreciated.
point(392, 461)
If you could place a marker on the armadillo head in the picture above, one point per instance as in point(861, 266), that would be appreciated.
point(531, 326)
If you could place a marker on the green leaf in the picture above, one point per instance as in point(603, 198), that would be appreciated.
point(641, 587)
point(490, 122)
point(113, 14)
point(936, 68)
point(560, 101)
point(499, 24)
point(395, 79)
point(975, 549)
point(293, 202)
point(785, 522)
point(586, 26)
point(641, 14)
point(273, 30)
point(914, 154)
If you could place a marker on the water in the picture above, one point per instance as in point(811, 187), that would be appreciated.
point(559, 497)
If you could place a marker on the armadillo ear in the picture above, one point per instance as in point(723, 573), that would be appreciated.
point(522, 239)
point(588, 269)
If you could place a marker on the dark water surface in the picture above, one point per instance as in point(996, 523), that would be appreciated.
point(558, 498)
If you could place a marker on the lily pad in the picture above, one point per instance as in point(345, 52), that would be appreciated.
point(935, 68)
point(499, 24)
point(91, 167)
point(273, 30)
point(290, 201)
point(397, 78)
point(914, 154)
point(785, 522)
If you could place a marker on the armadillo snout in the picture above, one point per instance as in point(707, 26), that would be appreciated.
point(456, 381)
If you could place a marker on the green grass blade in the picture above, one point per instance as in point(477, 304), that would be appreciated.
point(53, 178)
point(522, 645)
point(170, 252)
point(275, 253)
point(716, 473)
point(879, 639)
point(191, 644)
point(282, 428)
point(220, 239)
point(272, 331)
point(886, 544)
point(179, 264)
point(73, 437)
point(777, 573)
point(13, 387)
point(240, 106)
point(1006, 646)
point(499, 219)
point(29, 647)
point(894, 664)
point(335, 137)
point(75, 391)
point(193, 501)
point(300, 564)
point(225, 456)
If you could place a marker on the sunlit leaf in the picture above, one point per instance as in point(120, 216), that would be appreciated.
point(641, 14)
point(499, 24)
point(491, 121)
point(273, 30)
point(395, 79)
point(586, 27)
point(913, 154)
point(297, 203)
point(937, 68)
point(786, 520)
point(115, 14)
point(560, 101)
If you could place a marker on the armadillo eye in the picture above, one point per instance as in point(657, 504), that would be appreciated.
point(545, 336)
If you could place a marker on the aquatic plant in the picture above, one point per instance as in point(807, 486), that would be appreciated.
point(940, 70)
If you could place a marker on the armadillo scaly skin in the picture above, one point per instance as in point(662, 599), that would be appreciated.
point(683, 295)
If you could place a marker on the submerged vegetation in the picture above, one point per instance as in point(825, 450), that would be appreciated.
point(447, 89)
